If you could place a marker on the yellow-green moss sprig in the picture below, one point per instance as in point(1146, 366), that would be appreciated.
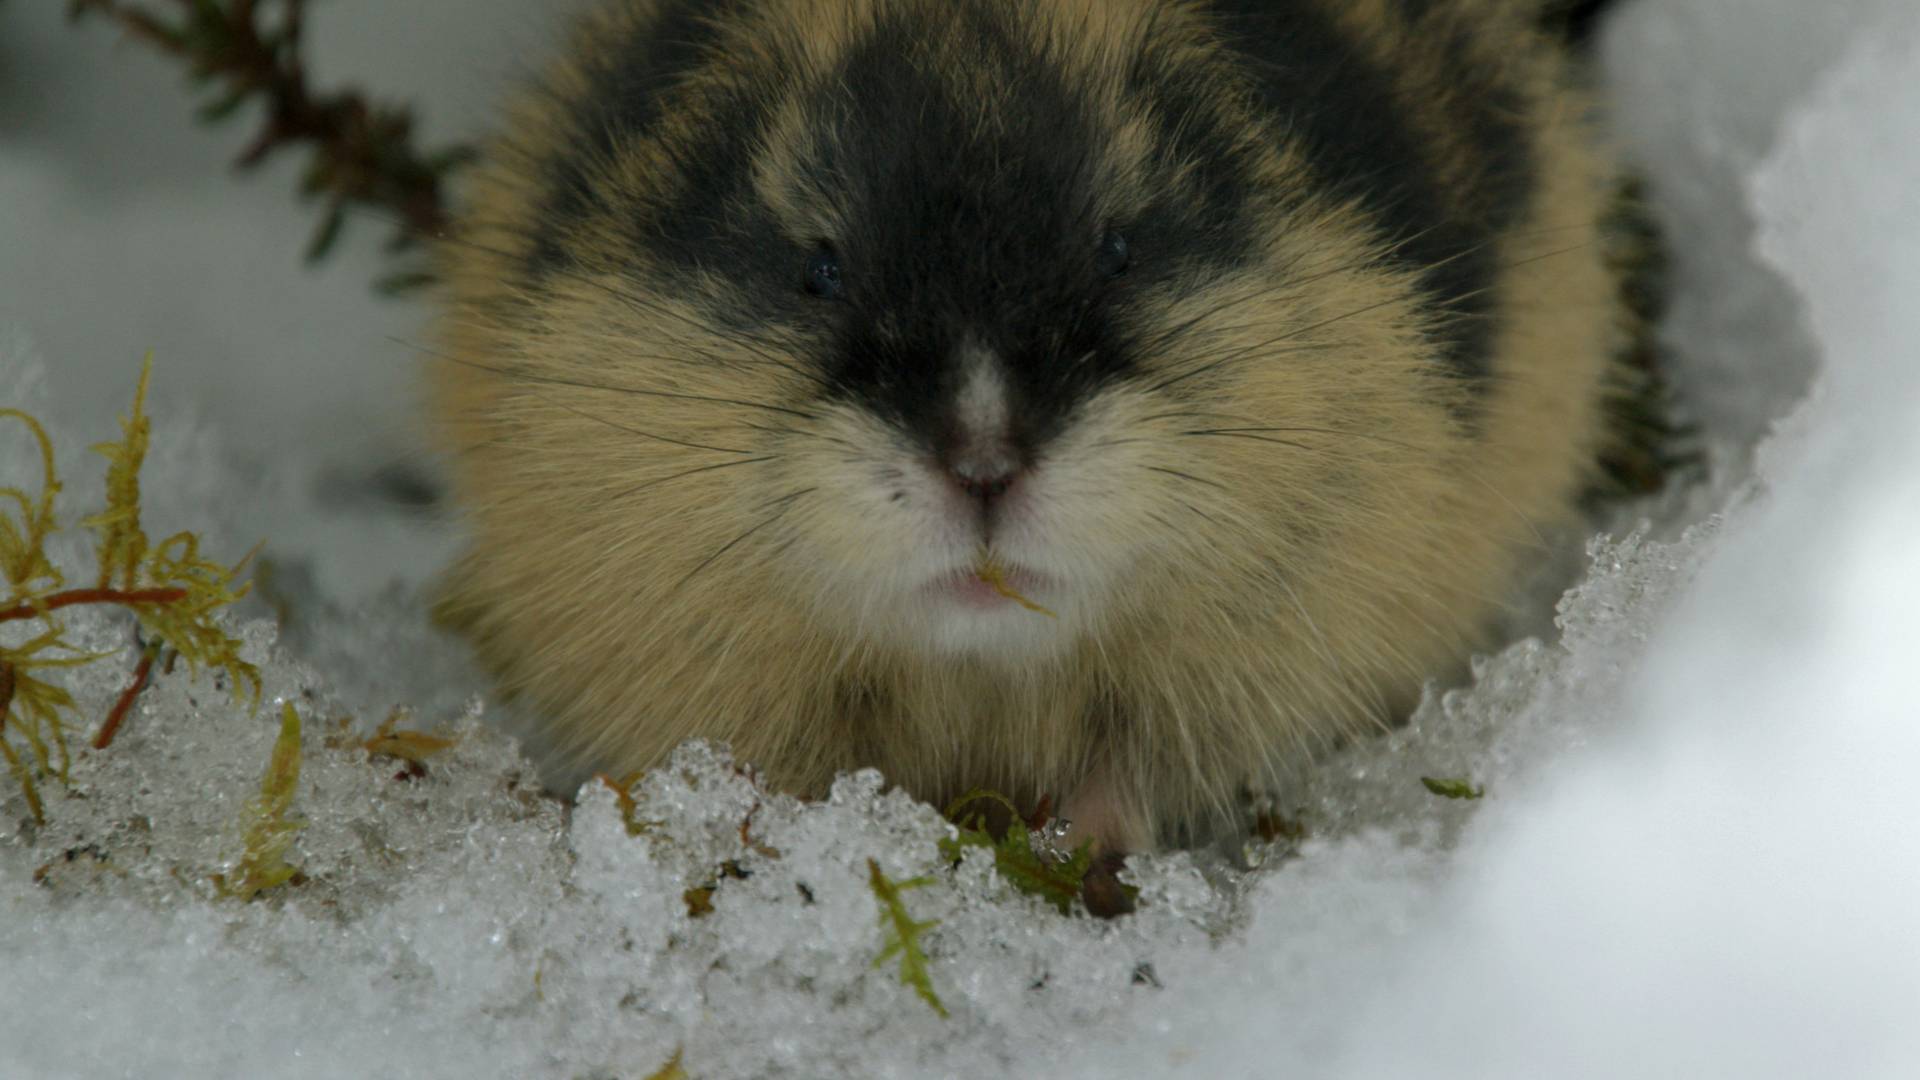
point(123, 544)
point(171, 588)
point(672, 1070)
point(32, 709)
point(127, 561)
point(270, 829)
point(903, 934)
point(1057, 881)
point(23, 543)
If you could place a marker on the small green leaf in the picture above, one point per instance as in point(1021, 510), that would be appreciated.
point(327, 234)
point(1454, 789)
point(402, 282)
point(316, 177)
point(223, 107)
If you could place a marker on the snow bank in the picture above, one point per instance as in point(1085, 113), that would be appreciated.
point(1723, 882)
point(1695, 857)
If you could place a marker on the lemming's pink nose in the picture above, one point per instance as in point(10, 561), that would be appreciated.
point(984, 472)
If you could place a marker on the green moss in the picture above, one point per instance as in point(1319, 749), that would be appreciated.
point(170, 587)
point(672, 1070)
point(903, 934)
point(128, 561)
point(269, 827)
point(1454, 789)
point(1014, 856)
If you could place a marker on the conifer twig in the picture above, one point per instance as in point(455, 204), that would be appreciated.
point(363, 152)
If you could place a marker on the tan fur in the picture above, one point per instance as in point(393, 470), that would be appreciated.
point(1290, 589)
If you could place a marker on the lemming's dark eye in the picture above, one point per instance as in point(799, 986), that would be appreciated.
point(1113, 259)
point(823, 275)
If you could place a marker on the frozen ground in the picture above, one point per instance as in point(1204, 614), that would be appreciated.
point(1696, 857)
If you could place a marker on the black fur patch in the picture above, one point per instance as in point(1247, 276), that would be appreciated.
point(1207, 218)
point(1327, 94)
point(967, 229)
point(625, 97)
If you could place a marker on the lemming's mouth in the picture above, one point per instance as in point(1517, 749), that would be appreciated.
point(988, 586)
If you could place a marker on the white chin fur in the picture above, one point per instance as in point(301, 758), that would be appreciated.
point(1006, 633)
point(1070, 528)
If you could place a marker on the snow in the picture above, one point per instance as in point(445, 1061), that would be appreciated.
point(1696, 856)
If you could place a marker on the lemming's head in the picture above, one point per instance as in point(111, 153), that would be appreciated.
point(890, 309)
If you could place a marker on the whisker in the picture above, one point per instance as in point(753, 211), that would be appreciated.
point(797, 433)
point(1291, 286)
point(1263, 348)
point(1257, 433)
point(1188, 476)
point(638, 301)
point(1294, 287)
point(694, 472)
point(1179, 414)
point(636, 431)
point(1203, 515)
point(787, 501)
point(553, 380)
point(685, 351)
point(1255, 438)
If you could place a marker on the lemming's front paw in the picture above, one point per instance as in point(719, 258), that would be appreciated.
point(1102, 891)
point(1100, 813)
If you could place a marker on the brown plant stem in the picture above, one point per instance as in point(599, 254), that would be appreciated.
point(125, 703)
point(127, 597)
